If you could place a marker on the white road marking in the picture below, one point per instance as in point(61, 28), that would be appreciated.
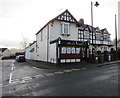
point(37, 76)
point(58, 72)
point(37, 84)
point(75, 69)
point(11, 72)
point(49, 74)
point(27, 78)
point(67, 70)
point(83, 68)
point(23, 81)
point(10, 77)
point(12, 69)
point(12, 64)
point(15, 81)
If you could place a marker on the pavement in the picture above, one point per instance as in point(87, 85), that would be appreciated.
point(83, 64)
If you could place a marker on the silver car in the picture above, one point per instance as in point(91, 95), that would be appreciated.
point(20, 58)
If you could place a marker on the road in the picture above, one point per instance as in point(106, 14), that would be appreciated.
point(22, 79)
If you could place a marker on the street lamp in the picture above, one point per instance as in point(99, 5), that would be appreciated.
point(116, 35)
point(96, 4)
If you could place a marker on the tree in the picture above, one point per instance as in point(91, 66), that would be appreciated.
point(24, 42)
point(118, 42)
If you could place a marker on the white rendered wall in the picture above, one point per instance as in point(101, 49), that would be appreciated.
point(53, 58)
point(27, 53)
point(55, 31)
point(33, 53)
point(42, 45)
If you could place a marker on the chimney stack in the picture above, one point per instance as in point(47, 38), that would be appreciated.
point(81, 21)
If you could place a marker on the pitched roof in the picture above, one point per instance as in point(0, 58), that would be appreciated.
point(2, 49)
point(30, 44)
point(87, 27)
point(64, 16)
point(104, 31)
point(97, 30)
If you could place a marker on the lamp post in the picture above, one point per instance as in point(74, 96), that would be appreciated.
point(96, 4)
point(116, 35)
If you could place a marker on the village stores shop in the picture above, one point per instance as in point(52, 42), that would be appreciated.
point(68, 51)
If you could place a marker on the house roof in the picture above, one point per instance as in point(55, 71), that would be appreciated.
point(68, 17)
point(2, 49)
point(30, 44)
point(97, 30)
point(104, 31)
point(87, 27)
point(60, 17)
point(33, 43)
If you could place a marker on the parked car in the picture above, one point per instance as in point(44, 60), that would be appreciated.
point(5, 57)
point(20, 58)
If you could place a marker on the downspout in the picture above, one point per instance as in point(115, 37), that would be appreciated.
point(48, 43)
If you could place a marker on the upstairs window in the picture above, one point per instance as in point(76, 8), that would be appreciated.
point(65, 29)
point(101, 37)
point(98, 36)
point(105, 37)
point(86, 34)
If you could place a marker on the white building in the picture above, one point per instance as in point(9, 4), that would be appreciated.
point(30, 52)
point(119, 20)
point(4, 52)
point(64, 39)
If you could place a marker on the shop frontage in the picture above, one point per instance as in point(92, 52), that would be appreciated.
point(70, 51)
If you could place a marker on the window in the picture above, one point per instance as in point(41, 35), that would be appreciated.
point(32, 50)
point(105, 37)
point(81, 36)
point(101, 37)
point(105, 48)
point(108, 37)
point(65, 28)
point(98, 36)
point(81, 32)
point(86, 34)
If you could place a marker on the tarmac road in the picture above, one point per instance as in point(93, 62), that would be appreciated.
point(27, 80)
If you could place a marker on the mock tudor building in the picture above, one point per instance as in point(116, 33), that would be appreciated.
point(63, 40)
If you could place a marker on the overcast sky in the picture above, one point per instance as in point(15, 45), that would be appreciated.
point(23, 18)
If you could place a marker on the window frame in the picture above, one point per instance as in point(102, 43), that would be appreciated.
point(63, 28)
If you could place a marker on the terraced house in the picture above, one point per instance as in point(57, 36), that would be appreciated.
point(64, 39)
